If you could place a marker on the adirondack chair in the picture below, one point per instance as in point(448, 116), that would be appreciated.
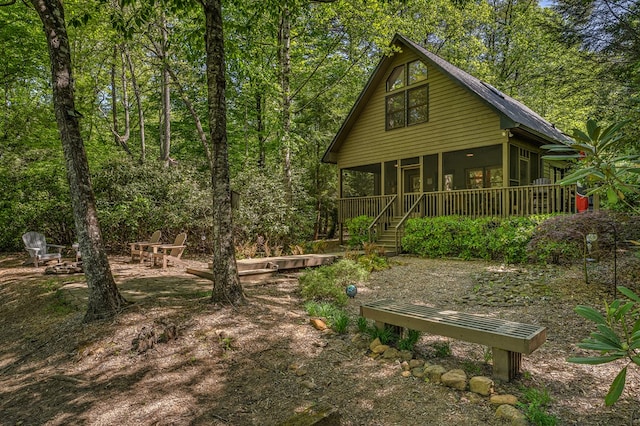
point(170, 252)
point(36, 245)
point(140, 248)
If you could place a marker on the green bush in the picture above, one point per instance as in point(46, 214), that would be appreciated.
point(484, 238)
point(336, 318)
point(409, 340)
point(328, 283)
point(561, 239)
point(358, 229)
point(535, 407)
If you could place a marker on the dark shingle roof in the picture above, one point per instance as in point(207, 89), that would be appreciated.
point(519, 113)
point(515, 115)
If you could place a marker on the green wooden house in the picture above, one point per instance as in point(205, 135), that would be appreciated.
point(425, 138)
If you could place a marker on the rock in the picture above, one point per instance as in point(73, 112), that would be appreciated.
point(481, 385)
point(318, 324)
point(376, 342)
point(503, 399)
point(405, 366)
point(418, 372)
point(415, 363)
point(406, 355)
point(406, 374)
point(380, 349)
point(434, 373)
point(456, 379)
point(511, 415)
point(391, 353)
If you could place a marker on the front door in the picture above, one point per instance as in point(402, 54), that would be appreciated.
point(411, 187)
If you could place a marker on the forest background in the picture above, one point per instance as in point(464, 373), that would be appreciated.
point(294, 69)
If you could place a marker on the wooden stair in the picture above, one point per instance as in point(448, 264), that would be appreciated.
point(387, 238)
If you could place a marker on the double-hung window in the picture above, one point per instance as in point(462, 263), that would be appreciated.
point(408, 101)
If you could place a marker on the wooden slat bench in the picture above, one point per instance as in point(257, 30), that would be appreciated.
point(508, 340)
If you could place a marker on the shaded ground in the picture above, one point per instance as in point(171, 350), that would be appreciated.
point(260, 363)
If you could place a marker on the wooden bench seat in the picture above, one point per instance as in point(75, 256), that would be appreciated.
point(508, 340)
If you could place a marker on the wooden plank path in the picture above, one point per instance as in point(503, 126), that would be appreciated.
point(260, 269)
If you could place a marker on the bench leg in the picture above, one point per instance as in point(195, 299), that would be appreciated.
point(506, 364)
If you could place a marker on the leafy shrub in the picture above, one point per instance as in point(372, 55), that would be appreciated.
point(535, 405)
point(561, 239)
point(358, 229)
point(328, 283)
point(373, 262)
point(485, 238)
point(337, 318)
point(618, 337)
point(443, 349)
point(409, 340)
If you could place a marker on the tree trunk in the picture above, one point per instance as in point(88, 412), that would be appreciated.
point(138, 95)
point(284, 51)
point(226, 282)
point(165, 142)
point(104, 299)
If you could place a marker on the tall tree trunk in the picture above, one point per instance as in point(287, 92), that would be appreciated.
point(121, 140)
point(104, 299)
point(262, 162)
point(165, 142)
point(138, 95)
point(284, 52)
point(226, 287)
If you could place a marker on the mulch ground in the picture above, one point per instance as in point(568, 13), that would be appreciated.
point(260, 363)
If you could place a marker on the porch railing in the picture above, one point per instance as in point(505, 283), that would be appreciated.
point(417, 208)
point(498, 202)
point(358, 206)
point(383, 220)
point(495, 202)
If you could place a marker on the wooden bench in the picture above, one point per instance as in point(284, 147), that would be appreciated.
point(508, 340)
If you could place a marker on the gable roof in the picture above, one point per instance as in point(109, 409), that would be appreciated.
point(514, 115)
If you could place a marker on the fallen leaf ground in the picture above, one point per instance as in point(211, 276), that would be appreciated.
point(261, 363)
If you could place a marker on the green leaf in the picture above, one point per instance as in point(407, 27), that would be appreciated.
point(593, 129)
point(629, 293)
point(591, 314)
point(616, 387)
point(622, 311)
point(598, 345)
point(608, 336)
point(595, 360)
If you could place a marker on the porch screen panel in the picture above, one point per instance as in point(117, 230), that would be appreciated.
point(391, 177)
point(514, 158)
point(430, 173)
point(362, 181)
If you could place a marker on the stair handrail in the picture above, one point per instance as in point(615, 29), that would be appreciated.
point(404, 219)
point(377, 218)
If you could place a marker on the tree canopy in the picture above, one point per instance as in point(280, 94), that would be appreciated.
point(293, 70)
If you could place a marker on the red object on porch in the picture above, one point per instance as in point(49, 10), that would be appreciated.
point(582, 203)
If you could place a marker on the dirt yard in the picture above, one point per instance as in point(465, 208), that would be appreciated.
point(261, 363)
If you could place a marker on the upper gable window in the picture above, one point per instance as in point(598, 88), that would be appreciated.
point(410, 106)
point(396, 79)
point(416, 72)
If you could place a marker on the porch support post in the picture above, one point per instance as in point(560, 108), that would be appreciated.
point(383, 180)
point(399, 188)
point(506, 167)
point(440, 209)
point(340, 212)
